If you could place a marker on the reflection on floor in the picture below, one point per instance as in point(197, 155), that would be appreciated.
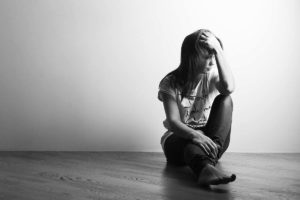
point(134, 175)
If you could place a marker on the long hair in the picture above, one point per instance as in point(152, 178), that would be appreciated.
point(184, 74)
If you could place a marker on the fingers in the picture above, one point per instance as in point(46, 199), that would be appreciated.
point(203, 39)
point(208, 149)
point(212, 150)
point(208, 146)
point(204, 42)
point(205, 149)
point(213, 147)
point(205, 34)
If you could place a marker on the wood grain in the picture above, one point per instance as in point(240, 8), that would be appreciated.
point(135, 175)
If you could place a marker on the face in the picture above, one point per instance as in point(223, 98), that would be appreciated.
point(207, 63)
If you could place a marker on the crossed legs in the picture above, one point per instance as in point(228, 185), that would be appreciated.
point(181, 151)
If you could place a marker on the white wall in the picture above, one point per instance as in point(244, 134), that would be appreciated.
point(83, 75)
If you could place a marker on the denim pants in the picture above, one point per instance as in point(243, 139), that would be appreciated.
point(180, 151)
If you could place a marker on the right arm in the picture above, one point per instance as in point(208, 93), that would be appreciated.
point(182, 130)
point(173, 117)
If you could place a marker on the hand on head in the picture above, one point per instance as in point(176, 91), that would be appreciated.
point(210, 40)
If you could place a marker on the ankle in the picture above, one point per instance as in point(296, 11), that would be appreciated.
point(205, 168)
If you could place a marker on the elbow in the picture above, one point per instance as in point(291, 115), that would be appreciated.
point(227, 89)
point(226, 93)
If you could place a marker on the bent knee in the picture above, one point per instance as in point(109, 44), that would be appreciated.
point(226, 100)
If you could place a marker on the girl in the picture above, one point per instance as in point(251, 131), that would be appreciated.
point(198, 107)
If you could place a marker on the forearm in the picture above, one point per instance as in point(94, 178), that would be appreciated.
point(183, 130)
point(225, 74)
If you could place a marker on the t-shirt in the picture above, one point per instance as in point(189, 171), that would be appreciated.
point(195, 107)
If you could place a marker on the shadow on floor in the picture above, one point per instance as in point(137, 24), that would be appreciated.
point(177, 178)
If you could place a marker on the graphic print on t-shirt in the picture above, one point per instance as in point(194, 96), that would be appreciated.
point(195, 110)
point(196, 106)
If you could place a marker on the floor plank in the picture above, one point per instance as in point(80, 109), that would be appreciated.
point(136, 175)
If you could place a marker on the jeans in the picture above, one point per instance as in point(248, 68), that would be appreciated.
point(181, 151)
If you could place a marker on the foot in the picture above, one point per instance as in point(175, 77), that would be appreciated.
point(212, 176)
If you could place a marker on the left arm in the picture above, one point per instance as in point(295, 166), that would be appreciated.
point(225, 83)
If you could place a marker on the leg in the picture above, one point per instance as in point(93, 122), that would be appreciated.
point(218, 126)
point(180, 151)
point(174, 149)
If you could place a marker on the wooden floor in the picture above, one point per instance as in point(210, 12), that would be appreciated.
point(141, 176)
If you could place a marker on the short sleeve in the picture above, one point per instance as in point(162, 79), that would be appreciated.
point(166, 87)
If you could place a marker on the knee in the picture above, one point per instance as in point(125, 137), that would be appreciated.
point(225, 100)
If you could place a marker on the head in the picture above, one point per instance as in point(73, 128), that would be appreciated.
point(196, 58)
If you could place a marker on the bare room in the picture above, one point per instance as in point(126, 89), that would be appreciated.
point(149, 99)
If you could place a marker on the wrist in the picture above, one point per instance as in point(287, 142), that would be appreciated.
point(196, 134)
point(217, 50)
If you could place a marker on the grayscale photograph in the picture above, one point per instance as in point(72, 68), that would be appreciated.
point(149, 100)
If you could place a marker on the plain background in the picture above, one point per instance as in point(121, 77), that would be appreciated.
point(83, 75)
